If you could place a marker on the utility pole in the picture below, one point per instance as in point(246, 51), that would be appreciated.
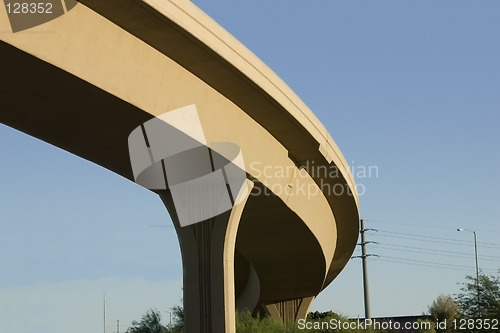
point(477, 277)
point(365, 270)
point(104, 312)
point(477, 270)
point(170, 313)
point(117, 326)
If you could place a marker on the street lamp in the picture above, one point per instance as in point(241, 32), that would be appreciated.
point(477, 268)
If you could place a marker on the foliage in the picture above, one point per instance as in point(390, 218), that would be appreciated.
point(320, 316)
point(177, 324)
point(489, 297)
point(331, 322)
point(150, 323)
point(317, 322)
point(245, 323)
point(444, 309)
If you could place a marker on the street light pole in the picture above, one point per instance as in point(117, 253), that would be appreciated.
point(477, 269)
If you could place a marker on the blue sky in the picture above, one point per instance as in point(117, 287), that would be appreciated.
point(411, 87)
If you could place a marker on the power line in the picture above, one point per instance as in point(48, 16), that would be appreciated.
point(423, 250)
point(437, 238)
point(436, 241)
point(425, 225)
point(431, 263)
point(435, 254)
point(424, 265)
point(427, 250)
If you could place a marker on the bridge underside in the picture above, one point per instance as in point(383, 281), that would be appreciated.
point(275, 253)
point(50, 104)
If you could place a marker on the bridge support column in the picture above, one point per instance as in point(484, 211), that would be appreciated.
point(207, 250)
point(288, 312)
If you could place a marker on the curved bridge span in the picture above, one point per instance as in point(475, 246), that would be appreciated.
point(85, 80)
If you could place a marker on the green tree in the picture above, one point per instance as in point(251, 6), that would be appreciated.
point(245, 323)
point(150, 323)
point(177, 324)
point(489, 297)
point(444, 309)
point(318, 316)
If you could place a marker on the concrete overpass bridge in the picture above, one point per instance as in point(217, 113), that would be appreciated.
point(84, 79)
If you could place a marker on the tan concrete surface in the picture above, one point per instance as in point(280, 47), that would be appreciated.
point(85, 80)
